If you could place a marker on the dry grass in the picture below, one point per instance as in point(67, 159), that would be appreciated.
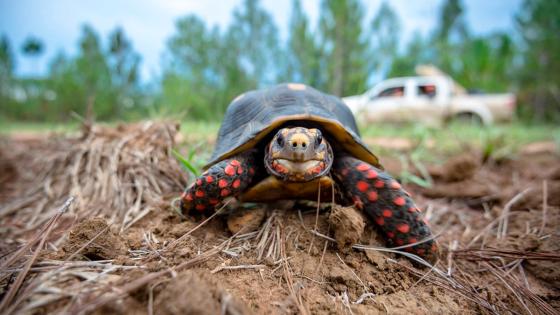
point(124, 173)
point(120, 173)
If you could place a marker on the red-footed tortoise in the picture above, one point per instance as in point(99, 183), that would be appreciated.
point(286, 141)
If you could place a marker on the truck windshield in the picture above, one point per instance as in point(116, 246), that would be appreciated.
point(396, 91)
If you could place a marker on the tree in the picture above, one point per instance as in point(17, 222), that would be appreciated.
point(84, 80)
point(450, 37)
point(385, 34)
point(7, 64)
point(203, 72)
point(255, 34)
point(452, 22)
point(539, 24)
point(123, 66)
point(417, 52)
point(346, 46)
point(32, 47)
point(303, 54)
point(486, 63)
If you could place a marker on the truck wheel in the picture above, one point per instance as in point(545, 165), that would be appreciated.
point(469, 118)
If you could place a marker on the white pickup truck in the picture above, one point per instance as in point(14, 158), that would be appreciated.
point(429, 99)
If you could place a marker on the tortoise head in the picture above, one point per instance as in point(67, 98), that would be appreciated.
point(298, 154)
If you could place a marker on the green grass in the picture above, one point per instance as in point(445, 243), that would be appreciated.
point(460, 136)
point(430, 144)
point(200, 128)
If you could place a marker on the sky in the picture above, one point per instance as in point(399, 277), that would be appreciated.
point(149, 23)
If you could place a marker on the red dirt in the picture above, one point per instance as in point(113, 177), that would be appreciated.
point(284, 268)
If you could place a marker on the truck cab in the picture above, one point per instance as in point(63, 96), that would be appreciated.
point(427, 99)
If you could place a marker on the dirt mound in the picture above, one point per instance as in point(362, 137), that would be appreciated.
point(94, 240)
point(348, 225)
point(458, 168)
point(119, 173)
point(119, 247)
point(195, 293)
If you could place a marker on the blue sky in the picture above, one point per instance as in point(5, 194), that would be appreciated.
point(149, 23)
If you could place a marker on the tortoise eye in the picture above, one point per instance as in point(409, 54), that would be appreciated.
point(319, 138)
point(280, 139)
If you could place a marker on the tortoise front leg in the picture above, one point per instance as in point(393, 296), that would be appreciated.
point(227, 178)
point(384, 200)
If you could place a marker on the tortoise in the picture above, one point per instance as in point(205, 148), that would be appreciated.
point(291, 141)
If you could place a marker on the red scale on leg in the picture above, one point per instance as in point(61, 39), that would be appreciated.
point(239, 170)
point(399, 201)
point(222, 183)
point(379, 184)
point(371, 174)
point(372, 196)
point(229, 170)
point(224, 193)
point(387, 213)
point(236, 183)
point(362, 186)
point(199, 182)
point(363, 167)
point(403, 228)
point(209, 179)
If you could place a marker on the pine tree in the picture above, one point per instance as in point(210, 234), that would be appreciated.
point(539, 25)
point(346, 46)
point(385, 34)
point(304, 55)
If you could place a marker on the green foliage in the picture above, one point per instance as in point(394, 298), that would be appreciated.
point(480, 63)
point(255, 35)
point(6, 70)
point(104, 78)
point(205, 67)
point(384, 38)
point(186, 163)
point(203, 73)
point(346, 46)
point(304, 55)
point(32, 46)
point(539, 82)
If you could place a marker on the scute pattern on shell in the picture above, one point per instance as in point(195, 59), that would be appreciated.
point(255, 112)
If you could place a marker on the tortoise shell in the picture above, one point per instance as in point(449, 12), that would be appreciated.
point(256, 115)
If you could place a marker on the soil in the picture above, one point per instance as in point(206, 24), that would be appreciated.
point(496, 221)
